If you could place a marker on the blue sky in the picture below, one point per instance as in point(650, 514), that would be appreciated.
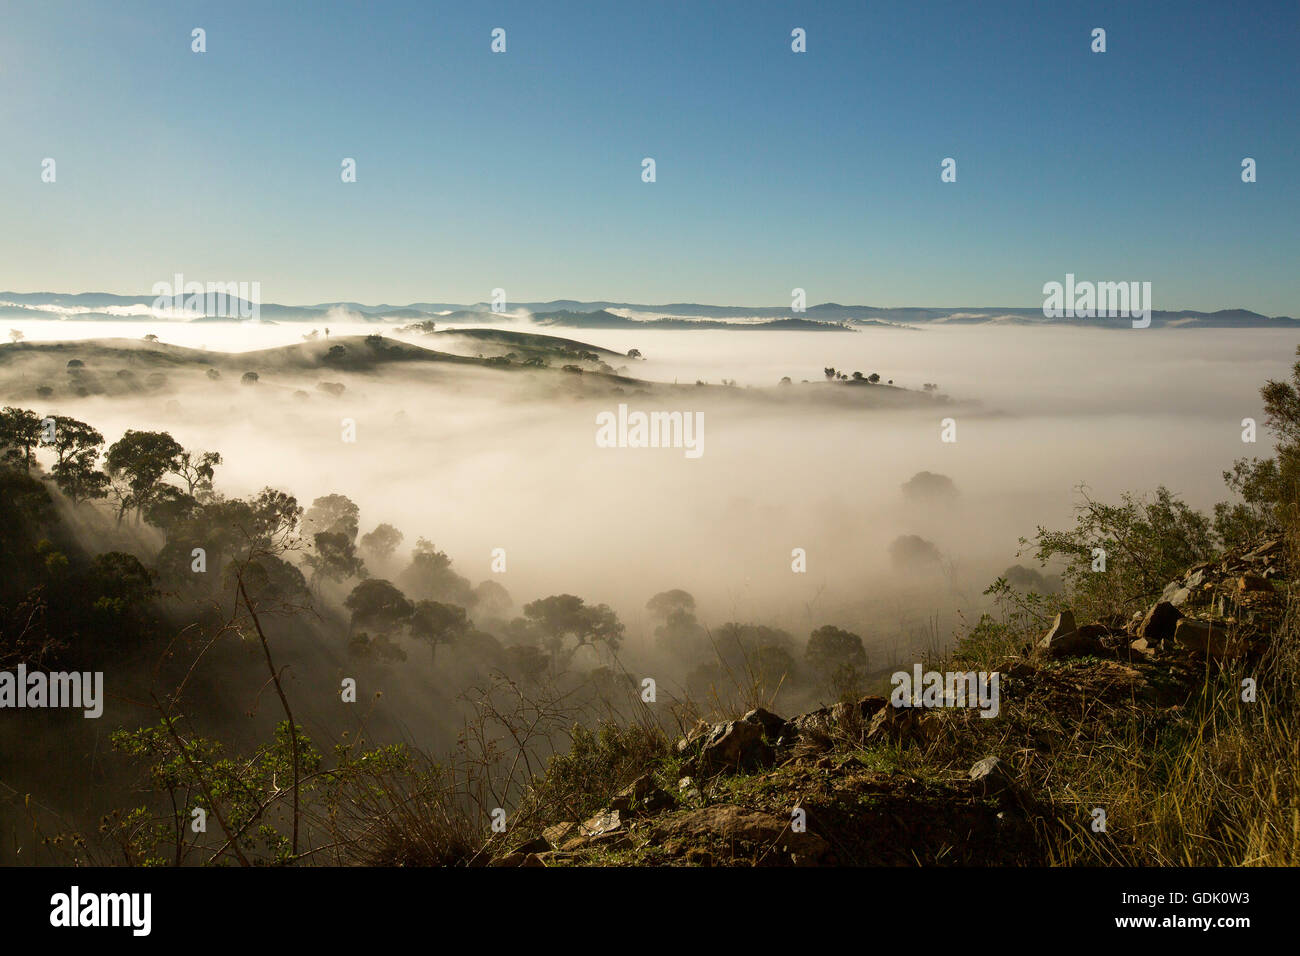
point(522, 170)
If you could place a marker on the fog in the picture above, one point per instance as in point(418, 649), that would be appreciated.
point(477, 459)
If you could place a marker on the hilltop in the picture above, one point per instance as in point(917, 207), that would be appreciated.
point(1085, 713)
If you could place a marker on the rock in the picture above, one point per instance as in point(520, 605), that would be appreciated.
point(741, 831)
point(900, 725)
point(869, 706)
point(634, 794)
point(1203, 638)
point(535, 845)
point(510, 859)
point(772, 724)
point(990, 776)
point(1062, 625)
point(814, 723)
point(601, 824)
point(1158, 623)
point(1144, 647)
point(606, 827)
point(1253, 582)
point(533, 859)
point(1064, 639)
point(557, 834)
point(1175, 594)
point(696, 734)
point(736, 745)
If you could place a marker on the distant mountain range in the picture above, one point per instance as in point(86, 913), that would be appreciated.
point(828, 316)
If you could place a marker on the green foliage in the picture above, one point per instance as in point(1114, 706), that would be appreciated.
point(597, 765)
point(1146, 543)
point(140, 460)
point(249, 792)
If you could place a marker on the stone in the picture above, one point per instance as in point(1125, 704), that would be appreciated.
point(767, 836)
point(990, 777)
point(772, 724)
point(634, 794)
point(1175, 594)
point(557, 834)
point(1202, 637)
point(1064, 639)
point(1159, 622)
point(1253, 582)
point(736, 745)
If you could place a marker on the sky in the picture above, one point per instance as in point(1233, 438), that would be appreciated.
point(774, 169)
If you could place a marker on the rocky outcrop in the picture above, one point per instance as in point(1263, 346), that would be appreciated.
point(730, 830)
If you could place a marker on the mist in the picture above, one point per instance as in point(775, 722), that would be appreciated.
point(476, 461)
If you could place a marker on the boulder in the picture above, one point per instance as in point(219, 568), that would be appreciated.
point(1204, 638)
point(772, 724)
point(1064, 639)
point(1176, 594)
point(1158, 623)
point(642, 795)
point(870, 705)
point(900, 725)
point(1253, 582)
point(735, 745)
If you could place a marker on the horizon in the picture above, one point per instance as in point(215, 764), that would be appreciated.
point(602, 304)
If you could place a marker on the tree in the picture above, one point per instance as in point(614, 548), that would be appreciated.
point(79, 478)
point(337, 514)
point(213, 374)
point(335, 557)
point(436, 623)
point(383, 541)
point(928, 486)
point(564, 617)
point(742, 646)
point(72, 437)
point(196, 469)
point(121, 583)
point(1269, 487)
point(248, 378)
point(20, 433)
point(874, 378)
point(830, 373)
point(665, 603)
point(140, 460)
point(1147, 542)
point(634, 353)
point(377, 605)
point(910, 552)
point(838, 659)
point(16, 335)
point(429, 577)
